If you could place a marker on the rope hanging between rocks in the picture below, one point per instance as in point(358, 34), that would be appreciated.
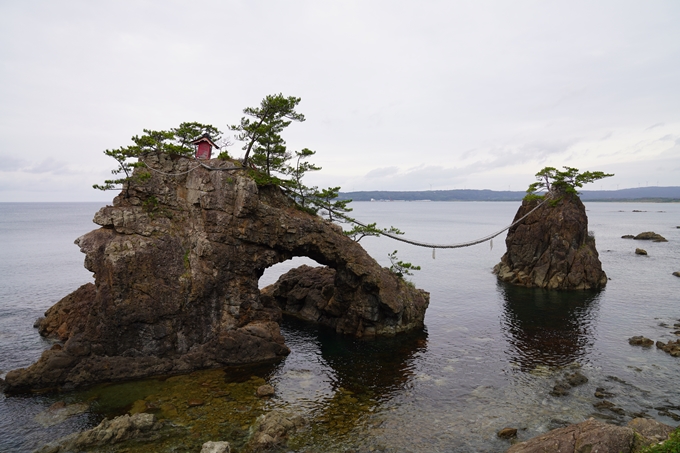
point(391, 236)
point(451, 246)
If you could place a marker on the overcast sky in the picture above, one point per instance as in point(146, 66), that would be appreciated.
point(398, 95)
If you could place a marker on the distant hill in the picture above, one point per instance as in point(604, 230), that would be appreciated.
point(651, 194)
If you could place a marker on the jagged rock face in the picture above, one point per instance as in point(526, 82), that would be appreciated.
point(176, 268)
point(309, 293)
point(551, 248)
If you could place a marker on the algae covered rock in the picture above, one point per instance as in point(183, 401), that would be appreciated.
point(552, 248)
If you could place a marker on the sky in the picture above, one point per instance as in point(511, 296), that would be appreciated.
point(397, 95)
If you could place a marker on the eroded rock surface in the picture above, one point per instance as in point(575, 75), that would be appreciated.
point(140, 427)
point(176, 268)
point(309, 293)
point(552, 248)
point(595, 436)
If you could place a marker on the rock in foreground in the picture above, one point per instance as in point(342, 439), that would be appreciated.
point(595, 436)
point(177, 264)
point(551, 248)
point(141, 427)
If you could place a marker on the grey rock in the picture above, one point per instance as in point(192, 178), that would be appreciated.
point(272, 430)
point(216, 447)
point(108, 432)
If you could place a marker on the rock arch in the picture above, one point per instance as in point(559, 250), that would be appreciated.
point(176, 267)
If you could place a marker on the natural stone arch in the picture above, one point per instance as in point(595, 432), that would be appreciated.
point(176, 268)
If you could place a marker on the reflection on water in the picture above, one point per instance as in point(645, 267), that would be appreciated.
point(548, 328)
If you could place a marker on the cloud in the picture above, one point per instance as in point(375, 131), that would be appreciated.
point(653, 126)
point(382, 172)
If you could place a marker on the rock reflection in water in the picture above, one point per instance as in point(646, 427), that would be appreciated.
point(364, 374)
point(548, 328)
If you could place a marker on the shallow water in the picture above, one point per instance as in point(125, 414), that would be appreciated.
point(488, 358)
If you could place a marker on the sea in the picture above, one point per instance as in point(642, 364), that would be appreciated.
point(489, 356)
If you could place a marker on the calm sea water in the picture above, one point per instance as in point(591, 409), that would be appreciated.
point(488, 358)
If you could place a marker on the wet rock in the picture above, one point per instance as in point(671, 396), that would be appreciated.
point(560, 389)
point(176, 290)
point(108, 432)
point(265, 390)
point(216, 447)
point(575, 379)
point(627, 236)
point(676, 273)
point(608, 405)
point(589, 436)
point(650, 236)
point(507, 433)
point(640, 341)
point(601, 392)
point(271, 430)
point(651, 431)
point(551, 248)
point(639, 251)
point(672, 347)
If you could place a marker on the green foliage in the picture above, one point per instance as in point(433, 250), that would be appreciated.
point(150, 205)
point(399, 267)
point(262, 133)
point(300, 192)
point(326, 201)
point(358, 232)
point(672, 445)
point(224, 155)
point(176, 141)
point(567, 180)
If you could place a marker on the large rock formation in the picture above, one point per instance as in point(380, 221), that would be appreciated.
point(176, 266)
point(551, 248)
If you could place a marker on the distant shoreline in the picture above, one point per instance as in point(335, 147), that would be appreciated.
point(639, 195)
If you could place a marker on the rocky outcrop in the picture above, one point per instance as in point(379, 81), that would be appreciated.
point(309, 293)
point(176, 268)
point(551, 248)
point(650, 236)
point(141, 427)
point(65, 317)
point(639, 251)
point(596, 436)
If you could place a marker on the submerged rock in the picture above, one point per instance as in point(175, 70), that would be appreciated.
point(552, 248)
point(216, 447)
point(176, 268)
point(272, 430)
point(59, 412)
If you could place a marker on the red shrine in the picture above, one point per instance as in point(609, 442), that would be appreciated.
point(204, 146)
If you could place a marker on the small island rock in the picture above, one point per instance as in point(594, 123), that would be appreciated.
point(639, 251)
point(551, 248)
point(650, 236)
point(640, 341)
